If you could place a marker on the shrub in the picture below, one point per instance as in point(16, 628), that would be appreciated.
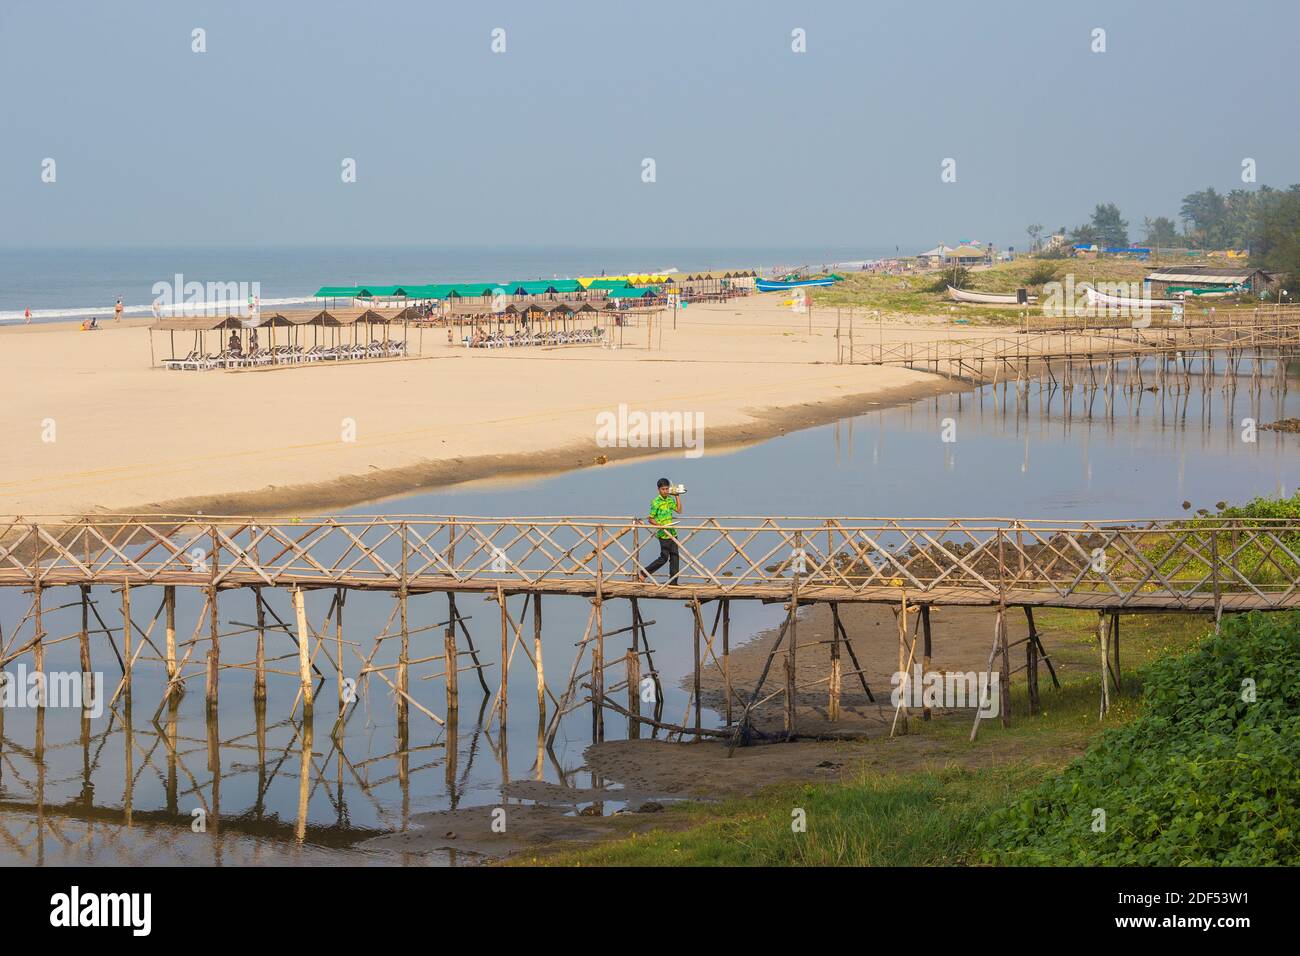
point(1202, 777)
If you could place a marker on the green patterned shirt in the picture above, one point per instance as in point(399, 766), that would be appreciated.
point(662, 510)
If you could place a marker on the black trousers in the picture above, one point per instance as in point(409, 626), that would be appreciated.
point(668, 554)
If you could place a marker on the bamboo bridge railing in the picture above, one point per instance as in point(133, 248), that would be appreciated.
point(1171, 565)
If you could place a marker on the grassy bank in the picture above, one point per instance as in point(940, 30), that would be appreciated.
point(925, 294)
point(935, 814)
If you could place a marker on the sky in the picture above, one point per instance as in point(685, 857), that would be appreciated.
point(545, 142)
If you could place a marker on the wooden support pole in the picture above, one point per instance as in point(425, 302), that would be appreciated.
point(833, 685)
point(169, 602)
point(38, 646)
point(726, 658)
point(597, 675)
point(449, 669)
point(1042, 651)
point(633, 664)
point(790, 663)
point(304, 652)
point(259, 664)
point(85, 629)
point(537, 659)
point(214, 650)
point(598, 648)
point(340, 596)
point(404, 652)
point(1103, 642)
point(504, 691)
point(695, 668)
point(1004, 678)
point(1031, 672)
point(925, 654)
point(1114, 636)
point(902, 715)
point(126, 640)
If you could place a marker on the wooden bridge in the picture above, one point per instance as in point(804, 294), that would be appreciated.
point(1013, 355)
point(1207, 565)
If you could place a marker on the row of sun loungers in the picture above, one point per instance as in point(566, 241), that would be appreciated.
point(498, 340)
point(286, 355)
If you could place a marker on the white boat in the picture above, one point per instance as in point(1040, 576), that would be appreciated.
point(1106, 301)
point(987, 298)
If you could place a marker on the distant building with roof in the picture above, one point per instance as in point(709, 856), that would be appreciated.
point(1165, 283)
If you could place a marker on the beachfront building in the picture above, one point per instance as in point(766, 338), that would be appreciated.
point(1200, 280)
point(933, 258)
point(970, 254)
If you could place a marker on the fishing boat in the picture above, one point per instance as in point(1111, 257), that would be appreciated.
point(1106, 301)
point(986, 298)
point(779, 285)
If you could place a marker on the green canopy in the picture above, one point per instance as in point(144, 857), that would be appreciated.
point(469, 290)
point(646, 292)
point(337, 292)
point(530, 288)
point(609, 284)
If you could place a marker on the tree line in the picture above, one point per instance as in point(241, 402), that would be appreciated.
point(1264, 221)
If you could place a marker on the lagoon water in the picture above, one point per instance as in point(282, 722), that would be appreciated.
point(111, 790)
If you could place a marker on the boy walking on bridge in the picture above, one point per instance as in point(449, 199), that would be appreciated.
point(665, 505)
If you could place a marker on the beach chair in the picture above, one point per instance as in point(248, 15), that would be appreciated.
point(178, 364)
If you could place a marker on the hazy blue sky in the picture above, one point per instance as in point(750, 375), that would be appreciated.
point(754, 144)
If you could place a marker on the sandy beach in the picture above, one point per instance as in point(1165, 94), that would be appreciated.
point(131, 437)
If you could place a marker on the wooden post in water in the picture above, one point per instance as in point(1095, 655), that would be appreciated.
point(339, 596)
point(85, 629)
point(598, 648)
point(449, 662)
point(38, 647)
point(504, 692)
point(304, 654)
point(169, 601)
point(259, 663)
point(214, 649)
point(404, 653)
point(126, 640)
point(537, 659)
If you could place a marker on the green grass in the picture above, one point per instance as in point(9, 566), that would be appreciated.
point(928, 814)
point(918, 295)
point(1205, 776)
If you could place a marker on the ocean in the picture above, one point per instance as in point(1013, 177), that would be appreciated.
point(72, 284)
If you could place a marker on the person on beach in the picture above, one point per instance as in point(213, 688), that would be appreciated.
point(252, 341)
point(662, 509)
point(27, 314)
point(233, 344)
point(117, 310)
